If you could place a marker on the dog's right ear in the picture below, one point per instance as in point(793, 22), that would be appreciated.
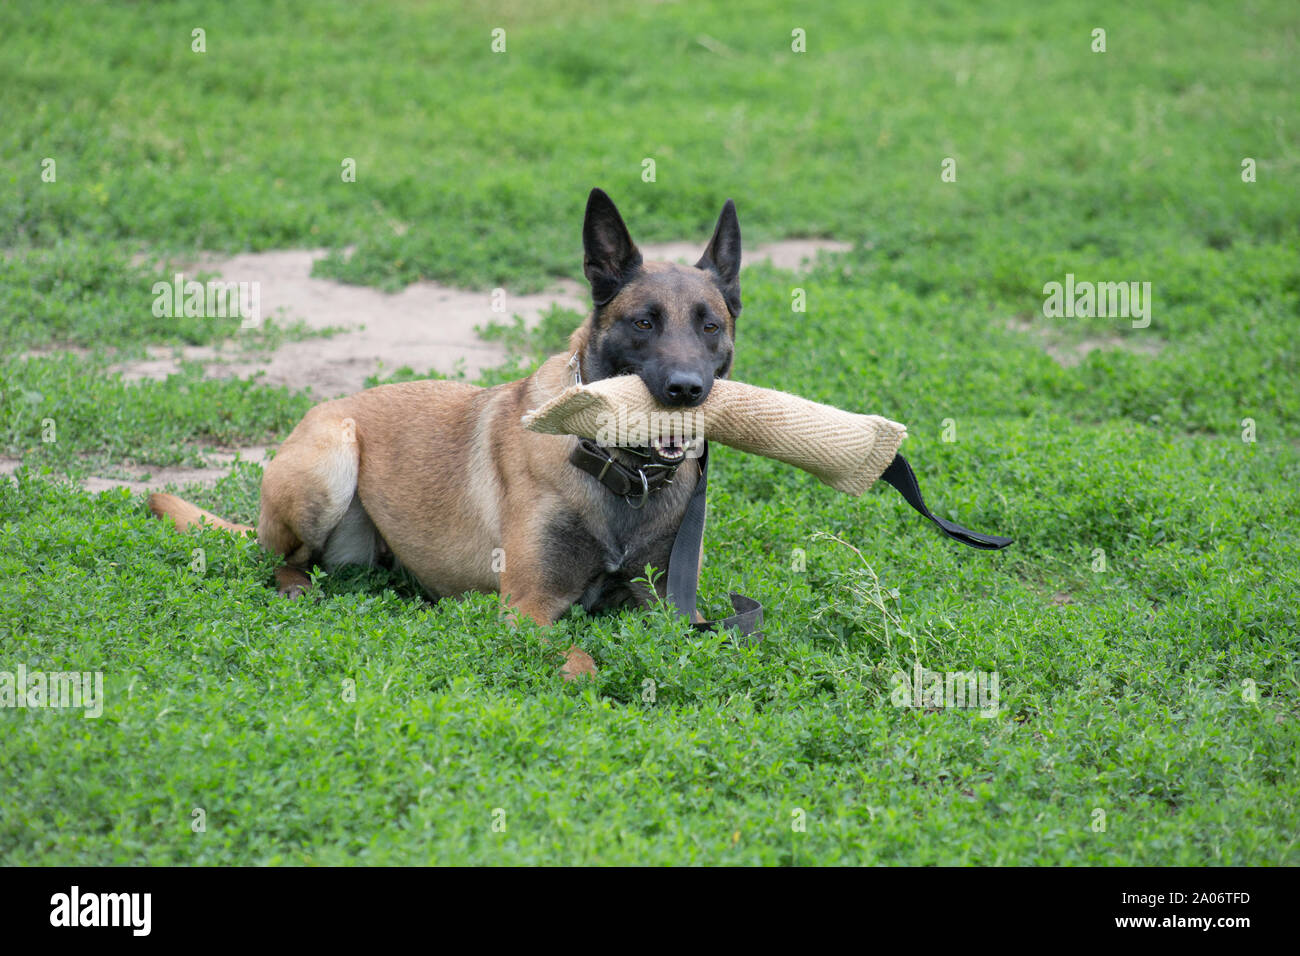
point(722, 258)
point(609, 256)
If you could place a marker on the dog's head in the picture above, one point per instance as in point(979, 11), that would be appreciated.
point(673, 325)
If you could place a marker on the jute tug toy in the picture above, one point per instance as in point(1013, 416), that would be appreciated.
point(847, 451)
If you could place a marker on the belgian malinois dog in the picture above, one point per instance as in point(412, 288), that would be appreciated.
point(442, 478)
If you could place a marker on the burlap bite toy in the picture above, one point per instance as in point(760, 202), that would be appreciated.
point(845, 450)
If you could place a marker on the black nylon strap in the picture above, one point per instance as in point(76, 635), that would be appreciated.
point(684, 565)
point(900, 475)
point(684, 562)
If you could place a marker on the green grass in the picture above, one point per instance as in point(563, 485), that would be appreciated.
point(1163, 690)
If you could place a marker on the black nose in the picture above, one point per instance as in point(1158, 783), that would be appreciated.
point(684, 388)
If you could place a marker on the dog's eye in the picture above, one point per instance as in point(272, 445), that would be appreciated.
point(645, 325)
point(702, 315)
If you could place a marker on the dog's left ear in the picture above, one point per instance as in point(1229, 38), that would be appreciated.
point(722, 258)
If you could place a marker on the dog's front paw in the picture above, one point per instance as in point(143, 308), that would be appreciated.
point(577, 663)
point(291, 583)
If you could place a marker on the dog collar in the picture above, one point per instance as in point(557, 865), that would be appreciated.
point(634, 484)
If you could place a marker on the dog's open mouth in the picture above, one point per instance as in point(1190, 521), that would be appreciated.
point(670, 450)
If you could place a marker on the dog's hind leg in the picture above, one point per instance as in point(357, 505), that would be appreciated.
point(310, 510)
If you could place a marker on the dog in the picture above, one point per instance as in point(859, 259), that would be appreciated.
point(442, 478)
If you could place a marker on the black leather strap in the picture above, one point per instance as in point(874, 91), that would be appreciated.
point(900, 475)
point(619, 478)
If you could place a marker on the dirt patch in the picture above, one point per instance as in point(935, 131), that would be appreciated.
point(146, 478)
point(1071, 353)
point(425, 326)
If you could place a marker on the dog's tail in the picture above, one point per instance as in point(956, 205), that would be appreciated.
point(185, 515)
